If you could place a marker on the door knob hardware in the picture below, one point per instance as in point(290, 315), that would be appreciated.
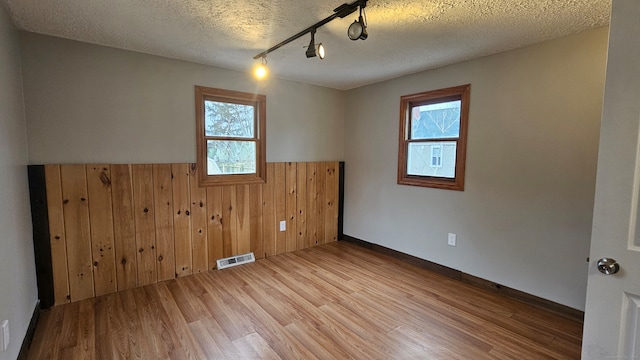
point(608, 266)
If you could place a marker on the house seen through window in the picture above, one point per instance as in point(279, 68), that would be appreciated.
point(436, 156)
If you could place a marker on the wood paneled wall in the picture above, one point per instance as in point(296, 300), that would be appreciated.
point(118, 226)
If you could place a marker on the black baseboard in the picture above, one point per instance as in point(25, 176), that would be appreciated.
point(31, 330)
point(524, 297)
point(341, 200)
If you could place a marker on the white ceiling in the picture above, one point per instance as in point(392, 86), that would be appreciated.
point(404, 36)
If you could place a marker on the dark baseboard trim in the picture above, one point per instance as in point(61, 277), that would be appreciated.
point(31, 330)
point(341, 200)
point(524, 297)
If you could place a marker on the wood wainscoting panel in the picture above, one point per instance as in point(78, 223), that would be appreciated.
point(320, 202)
point(181, 220)
point(280, 199)
point(101, 218)
point(256, 229)
point(243, 216)
point(229, 221)
point(198, 198)
point(331, 202)
point(144, 216)
point(312, 198)
point(269, 222)
point(56, 232)
point(120, 226)
point(163, 200)
point(214, 224)
point(77, 228)
point(124, 229)
point(291, 205)
point(301, 201)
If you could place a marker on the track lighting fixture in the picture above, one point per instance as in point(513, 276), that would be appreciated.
point(357, 30)
point(312, 50)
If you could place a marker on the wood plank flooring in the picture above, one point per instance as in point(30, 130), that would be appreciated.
point(334, 301)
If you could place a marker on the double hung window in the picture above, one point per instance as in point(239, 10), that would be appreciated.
point(230, 137)
point(433, 138)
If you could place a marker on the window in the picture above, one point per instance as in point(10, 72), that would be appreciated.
point(230, 137)
point(433, 138)
point(436, 156)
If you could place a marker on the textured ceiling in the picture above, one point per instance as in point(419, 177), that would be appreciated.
point(404, 36)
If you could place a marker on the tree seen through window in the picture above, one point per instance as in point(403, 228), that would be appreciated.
point(230, 123)
point(230, 137)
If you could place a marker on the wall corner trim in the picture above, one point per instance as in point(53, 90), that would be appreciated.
point(41, 240)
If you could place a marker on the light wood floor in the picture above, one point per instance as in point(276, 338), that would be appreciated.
point(335, 301)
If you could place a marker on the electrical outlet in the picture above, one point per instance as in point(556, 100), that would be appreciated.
point(451, 240)
point(5, 335)
point(283, 225)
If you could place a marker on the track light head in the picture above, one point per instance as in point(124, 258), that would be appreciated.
point(313, 50)
point(358, 30)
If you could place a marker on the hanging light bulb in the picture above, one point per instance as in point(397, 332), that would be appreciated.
point(260, 71)
point(320, 51)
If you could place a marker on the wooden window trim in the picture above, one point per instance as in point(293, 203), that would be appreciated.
point(259, 102)
point(407, 102)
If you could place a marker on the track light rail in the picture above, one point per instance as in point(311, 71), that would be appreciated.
point(339, 12)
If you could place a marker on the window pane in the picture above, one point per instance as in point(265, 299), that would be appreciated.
point(436, 121)
point(432, 159)
point(231, 157)
point(225, 119)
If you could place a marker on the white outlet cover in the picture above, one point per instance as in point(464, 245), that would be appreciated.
point(283, 225)
point(5, 335)
point(451, 240)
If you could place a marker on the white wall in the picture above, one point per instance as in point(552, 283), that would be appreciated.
point(18, 292)
point(524, 219)
point(88, 103)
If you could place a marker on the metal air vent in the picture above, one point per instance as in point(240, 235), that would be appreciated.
point(235, 260)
